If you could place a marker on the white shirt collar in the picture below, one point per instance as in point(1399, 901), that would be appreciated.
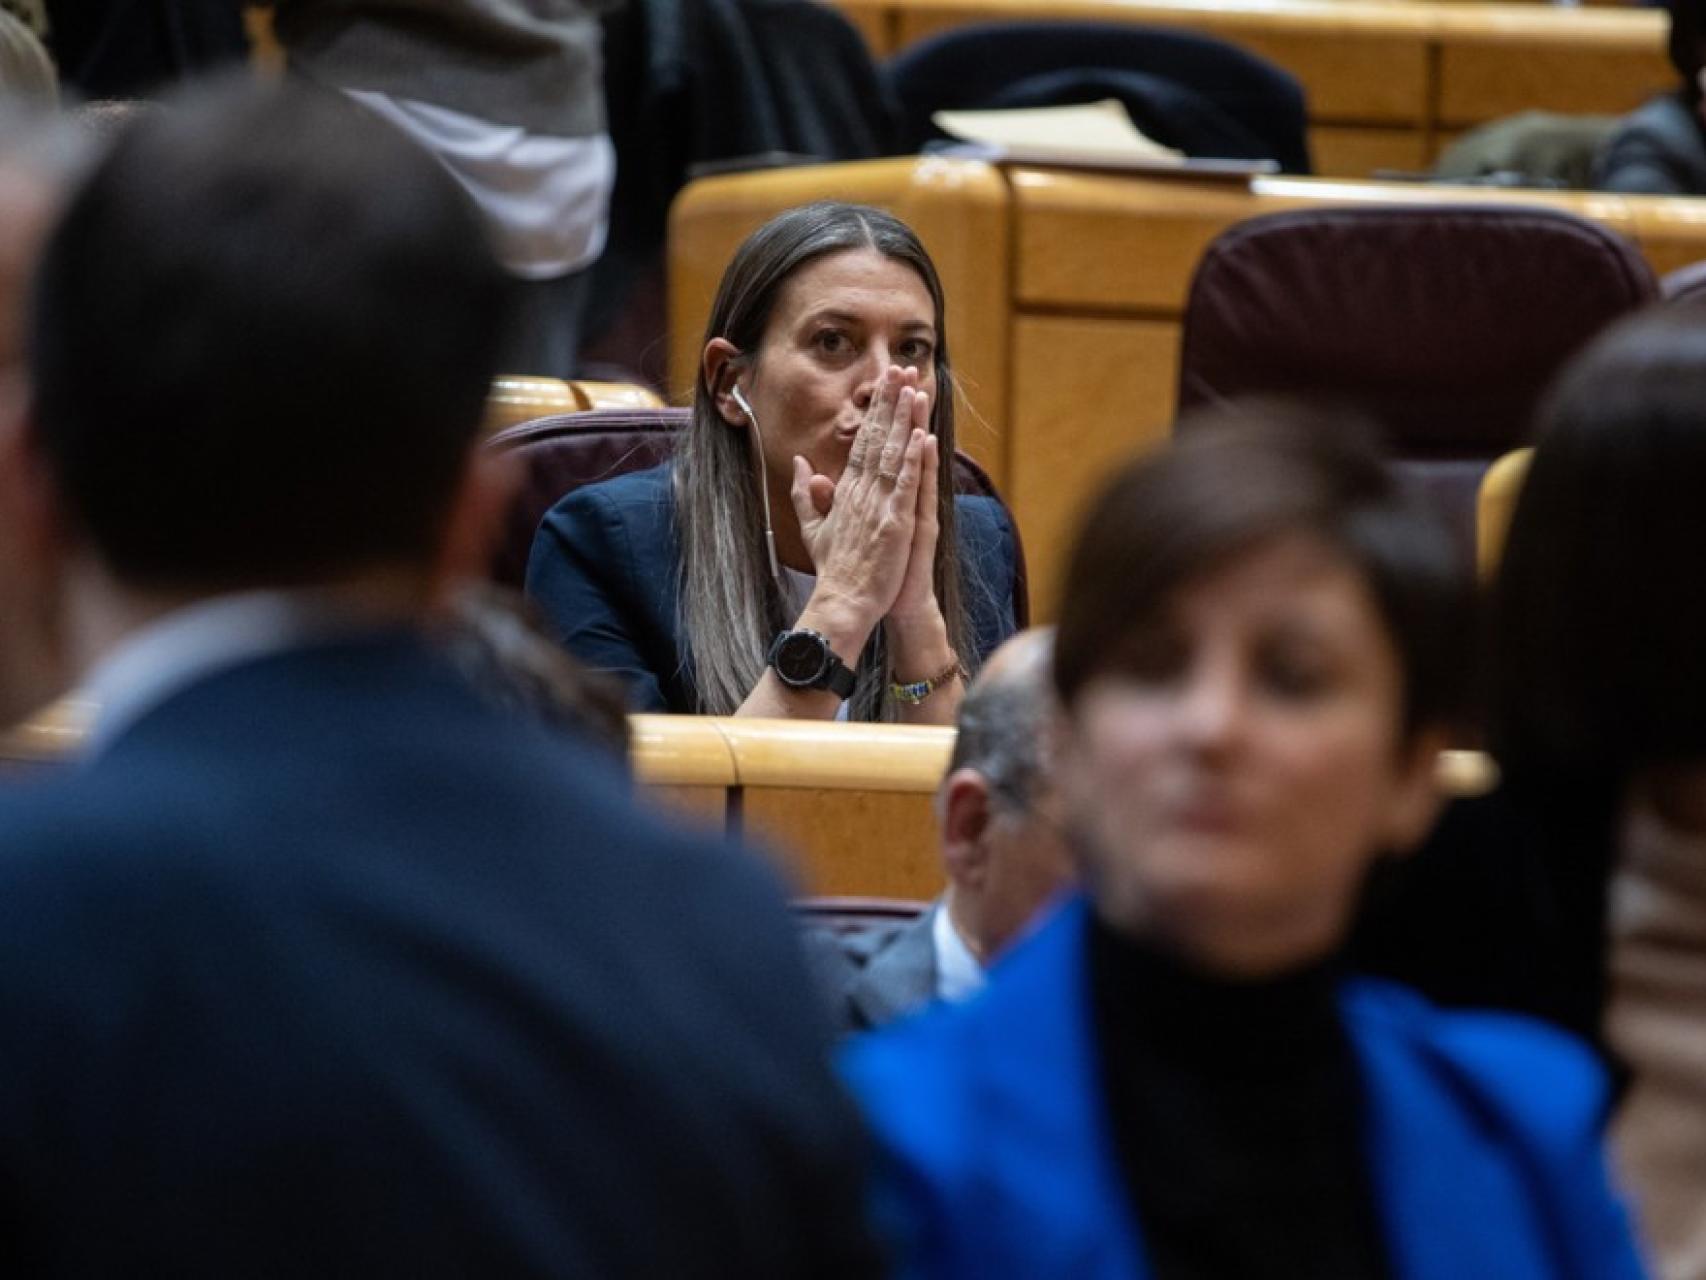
point(188, 644)
point(958, 974)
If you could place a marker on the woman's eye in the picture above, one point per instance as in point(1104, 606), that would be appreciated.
point(915, 351)
point(831, 342)
point(1150, 658)
point(1295, 676)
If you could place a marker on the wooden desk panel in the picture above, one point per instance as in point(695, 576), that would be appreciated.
point(1355, 149)
point(1484, 81)
point(861, 843)
point(1087, 394)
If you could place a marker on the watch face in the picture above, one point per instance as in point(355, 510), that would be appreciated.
point(801, 658)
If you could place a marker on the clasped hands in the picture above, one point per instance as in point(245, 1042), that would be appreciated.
point(872, 533)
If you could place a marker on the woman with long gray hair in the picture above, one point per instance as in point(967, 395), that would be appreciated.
point(804, 554)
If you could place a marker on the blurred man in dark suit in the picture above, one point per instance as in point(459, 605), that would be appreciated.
point(317, 963)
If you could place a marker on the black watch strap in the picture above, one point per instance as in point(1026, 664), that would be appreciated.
point(838, 677)
point(802, 659)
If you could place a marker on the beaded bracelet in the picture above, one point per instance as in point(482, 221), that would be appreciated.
point(914, 693)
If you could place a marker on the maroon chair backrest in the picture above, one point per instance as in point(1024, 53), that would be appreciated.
point(562, 452)
point(1444, 323)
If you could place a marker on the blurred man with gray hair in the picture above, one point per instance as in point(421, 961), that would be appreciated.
point(1003, 851)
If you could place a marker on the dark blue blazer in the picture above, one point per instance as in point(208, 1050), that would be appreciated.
point(606, 570)
point(326, 967)
point(1482, 1131)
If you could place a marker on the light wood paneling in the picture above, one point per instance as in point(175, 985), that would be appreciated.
point(1361, 153)
point(958, 209)
point(702, 807)
point(1486, 79)
point(1088, 395)
point(881, 844)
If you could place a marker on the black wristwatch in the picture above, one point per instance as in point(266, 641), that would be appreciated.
point(802, 659)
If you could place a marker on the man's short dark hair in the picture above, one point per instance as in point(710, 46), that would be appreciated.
point(262, 337)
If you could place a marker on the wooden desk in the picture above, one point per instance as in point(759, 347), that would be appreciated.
point(1390, 82)
point(847, 808)
point(1065, 291)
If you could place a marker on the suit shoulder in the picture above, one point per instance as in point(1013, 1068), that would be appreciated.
point(638, 494)
point(984, 518)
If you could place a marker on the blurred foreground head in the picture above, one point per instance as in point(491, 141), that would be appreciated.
point(1257, 657)
point(40, 156)
point(1599, 617)
point(264, 331)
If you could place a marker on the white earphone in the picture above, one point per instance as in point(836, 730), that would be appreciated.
point(763, 486)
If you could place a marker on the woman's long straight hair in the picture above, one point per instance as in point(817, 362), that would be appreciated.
point(730, 609)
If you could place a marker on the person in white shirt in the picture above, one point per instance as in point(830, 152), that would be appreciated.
point(508, 95)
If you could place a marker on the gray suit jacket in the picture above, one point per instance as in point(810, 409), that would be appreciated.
point(873, 976)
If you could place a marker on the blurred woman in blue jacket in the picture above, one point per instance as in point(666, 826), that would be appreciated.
point(1257, 655)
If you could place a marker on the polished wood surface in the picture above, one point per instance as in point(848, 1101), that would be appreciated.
point(1388, 81)
point(521, 398)
point(1495, 504)
point(1096, 268)
point(264, 51)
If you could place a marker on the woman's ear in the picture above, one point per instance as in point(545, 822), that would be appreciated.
point(719, 367)
point(1417, 796)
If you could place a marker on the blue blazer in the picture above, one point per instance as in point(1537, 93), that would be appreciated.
point(325, 966)
point(1483, 1135)
point(605, 571)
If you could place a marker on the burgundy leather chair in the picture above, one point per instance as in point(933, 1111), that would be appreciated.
point(562, 452)
point(1444, 323)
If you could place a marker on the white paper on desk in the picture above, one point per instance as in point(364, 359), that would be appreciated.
point(1096, 131)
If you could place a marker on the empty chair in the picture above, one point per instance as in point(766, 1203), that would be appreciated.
point(561, 453)
point(1441, 323)
point(1201, 95)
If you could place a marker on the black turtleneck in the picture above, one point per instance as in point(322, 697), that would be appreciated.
point(1236, 1116)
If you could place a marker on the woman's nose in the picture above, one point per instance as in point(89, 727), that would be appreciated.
point(1212, 706)
point(872, 368)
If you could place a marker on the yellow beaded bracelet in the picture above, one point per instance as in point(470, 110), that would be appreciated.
point(918, 690)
